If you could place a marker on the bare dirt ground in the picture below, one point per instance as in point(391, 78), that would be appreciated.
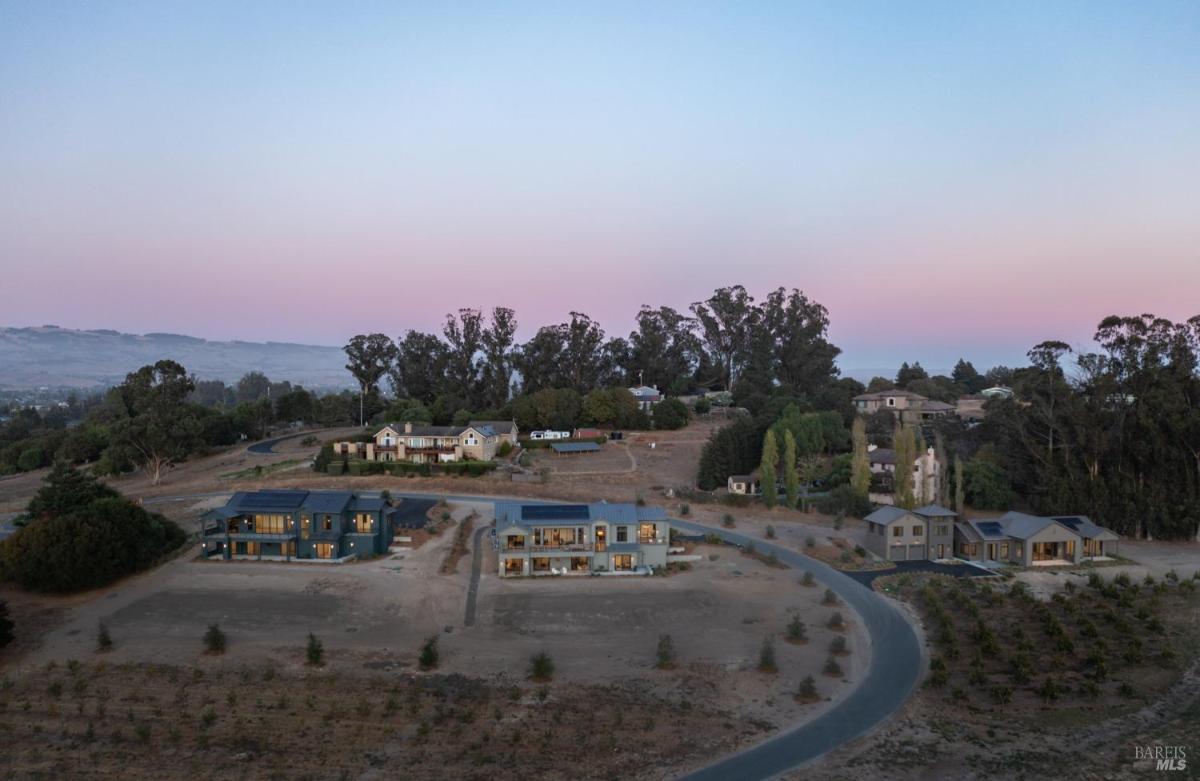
point(372, 618)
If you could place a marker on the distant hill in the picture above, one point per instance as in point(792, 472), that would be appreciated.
point(62, 357)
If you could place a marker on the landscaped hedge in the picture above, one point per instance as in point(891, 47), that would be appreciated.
point(358, 466)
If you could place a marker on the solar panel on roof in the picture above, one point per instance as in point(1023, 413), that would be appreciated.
point(991, 529)
point(1072, 521)
point(274, 499)
point(555, 512)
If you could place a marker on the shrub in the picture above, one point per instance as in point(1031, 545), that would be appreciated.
point(1125, 690)
point(836, 622)
point(845, 500)
point(702, 406)
point(214, 640)
point(766, 656)
point(727, 521)
point(504, 449)
point(832, 668)
point(860, 551)
point(808, 580)
point(86, 546)
point(795, 630)
point(839, 521)
point(770, 533)
point(810, 542)
point(838, 646)
point(541, 667)
point(830, 597)
point(664, 657)
point(807, 692)
point(428, 659)
point(1001, 694)
point(6, 625)
point(315, 651)
point(685, 509)
point(103, 638)
point(1049, 690)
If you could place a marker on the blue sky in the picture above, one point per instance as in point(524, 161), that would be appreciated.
point(948, 178)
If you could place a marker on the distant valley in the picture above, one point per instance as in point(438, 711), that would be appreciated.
point(62, 357)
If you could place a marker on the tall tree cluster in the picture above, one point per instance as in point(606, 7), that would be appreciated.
point(1114, 434)
point(728, 341)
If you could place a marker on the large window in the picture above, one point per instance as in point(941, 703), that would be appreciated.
point(622, 562)
point(327, 523)
point(324, 550)
point(897, 531)
point(270, 524)
point(514, 566)
point(515, 542)
point(941, 530)
point(364, 523)
point(918, 531)
point(648, 533)
point(622, 534)
point(305, 527)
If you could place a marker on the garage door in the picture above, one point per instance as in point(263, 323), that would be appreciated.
point(916, 552)
point(896, 553)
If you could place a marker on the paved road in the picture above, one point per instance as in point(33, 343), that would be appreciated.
point(896, 664)
point(267, 446)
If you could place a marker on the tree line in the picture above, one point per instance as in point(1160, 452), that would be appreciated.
point(729, 341)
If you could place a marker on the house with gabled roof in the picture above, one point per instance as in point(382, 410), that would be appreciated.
point(282, 525)
point(897, 534)
point(906, 406)
point(1033, 540)
point(580, 539)
point(418, 444)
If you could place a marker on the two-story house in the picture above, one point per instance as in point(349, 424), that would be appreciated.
point(549, 539)
point(283, 525)
point(896, 534)
point(906, 406)
point(417, 444)
point(926, 472)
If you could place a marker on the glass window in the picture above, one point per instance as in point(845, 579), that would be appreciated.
point(327, 523)
point(897, 531)
point(918, 531)
point(622, 534)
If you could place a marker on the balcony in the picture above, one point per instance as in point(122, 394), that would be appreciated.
point(240, 534)
point(571, 548)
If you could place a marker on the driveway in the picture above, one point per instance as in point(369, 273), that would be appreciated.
point(411, 514)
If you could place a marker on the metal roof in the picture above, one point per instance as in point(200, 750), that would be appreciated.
point(530, 515)
point(887, 514)
point(934, 511)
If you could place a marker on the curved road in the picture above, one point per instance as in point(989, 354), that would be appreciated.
point(897, 660)
point(267, 446)
point(896, 664)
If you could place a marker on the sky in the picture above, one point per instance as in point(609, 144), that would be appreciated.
point(957, 178)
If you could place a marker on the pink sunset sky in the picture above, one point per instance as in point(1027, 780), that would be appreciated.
point(947, 181)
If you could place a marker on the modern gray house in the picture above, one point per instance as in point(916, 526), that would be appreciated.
point(1032, 540)
point(559, 539)
point(285, 525)
point(896, 534)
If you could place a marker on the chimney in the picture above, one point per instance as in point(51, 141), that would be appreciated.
point(408, 427)
point(872, 448)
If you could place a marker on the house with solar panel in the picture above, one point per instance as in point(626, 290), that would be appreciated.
point(580, 539)
point(416, 444)
point(286, 525)
point(1032, 541)
point(923, 534)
